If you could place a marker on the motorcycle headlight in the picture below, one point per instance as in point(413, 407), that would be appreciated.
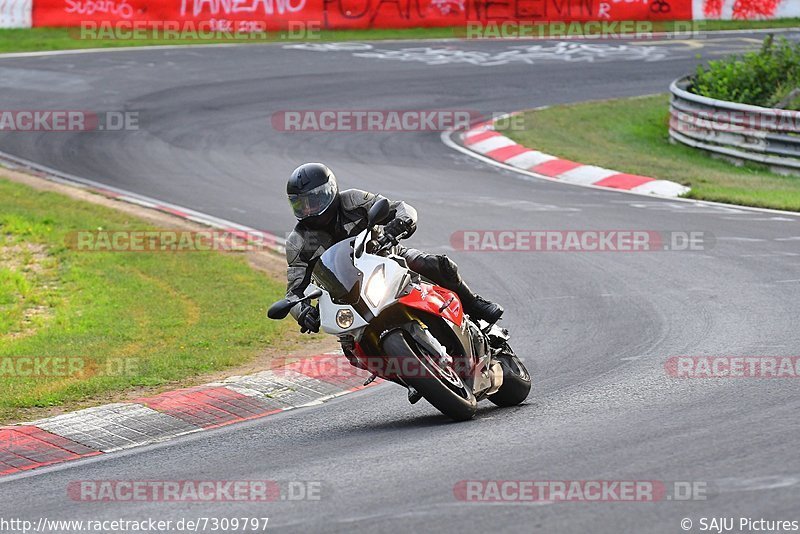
point(344, 318)
point(376, 287)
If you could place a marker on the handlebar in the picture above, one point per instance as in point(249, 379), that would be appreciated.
point(387, 240)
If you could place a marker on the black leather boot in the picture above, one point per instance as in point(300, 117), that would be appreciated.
point(478, 307)
point(443, 271)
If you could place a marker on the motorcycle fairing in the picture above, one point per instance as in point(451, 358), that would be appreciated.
point(436, 301)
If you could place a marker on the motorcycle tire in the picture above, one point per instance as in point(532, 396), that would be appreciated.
point(516, 382)
point(442, 388)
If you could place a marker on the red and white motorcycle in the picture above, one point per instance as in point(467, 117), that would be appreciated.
point(393, 323)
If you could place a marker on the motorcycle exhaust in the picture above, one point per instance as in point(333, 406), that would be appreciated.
point(496, 373)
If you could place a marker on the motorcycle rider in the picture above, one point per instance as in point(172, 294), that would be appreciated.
point(326, 216)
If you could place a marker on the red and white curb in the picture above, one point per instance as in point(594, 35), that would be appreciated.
point(124, 425)
point(482, 139)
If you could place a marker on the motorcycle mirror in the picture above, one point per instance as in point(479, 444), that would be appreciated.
point(317, 293)
point(281, 309)
point(378, 212)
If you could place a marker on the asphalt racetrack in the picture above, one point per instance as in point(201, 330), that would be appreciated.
point(594, 328)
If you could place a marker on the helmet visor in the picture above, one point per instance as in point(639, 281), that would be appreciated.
point(314, 202)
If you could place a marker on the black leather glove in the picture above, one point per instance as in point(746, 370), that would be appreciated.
point(308, 320)
point(395, 227)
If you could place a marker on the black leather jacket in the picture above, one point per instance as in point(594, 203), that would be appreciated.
point(305, 245)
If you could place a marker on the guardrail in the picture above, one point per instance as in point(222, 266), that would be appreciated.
point(738, 132)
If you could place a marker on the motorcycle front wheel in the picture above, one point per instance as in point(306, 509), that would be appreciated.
point(439, 385)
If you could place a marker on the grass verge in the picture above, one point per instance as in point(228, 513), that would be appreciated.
point(42, 39)
point(631, 135)
point(114, 321)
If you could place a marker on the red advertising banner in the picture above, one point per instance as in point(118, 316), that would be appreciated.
point(259, 15)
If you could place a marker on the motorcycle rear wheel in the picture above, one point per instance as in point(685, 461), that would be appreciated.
point(516, 382)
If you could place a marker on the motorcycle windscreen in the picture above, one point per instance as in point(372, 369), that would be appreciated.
point(336, 273)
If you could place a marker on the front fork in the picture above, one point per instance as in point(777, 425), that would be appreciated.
point(483, 374)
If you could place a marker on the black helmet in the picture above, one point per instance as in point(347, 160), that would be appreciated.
point(313, 193)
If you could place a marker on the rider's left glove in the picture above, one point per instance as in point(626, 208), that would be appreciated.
point(396, 227)
point(309, 320)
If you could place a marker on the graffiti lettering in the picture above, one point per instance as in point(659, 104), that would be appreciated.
point(748, 9)
point(370, 10)
point(230, 7)
point(362, 14)
point(90, 7)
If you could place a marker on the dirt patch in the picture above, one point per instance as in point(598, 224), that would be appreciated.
point(38, 268)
